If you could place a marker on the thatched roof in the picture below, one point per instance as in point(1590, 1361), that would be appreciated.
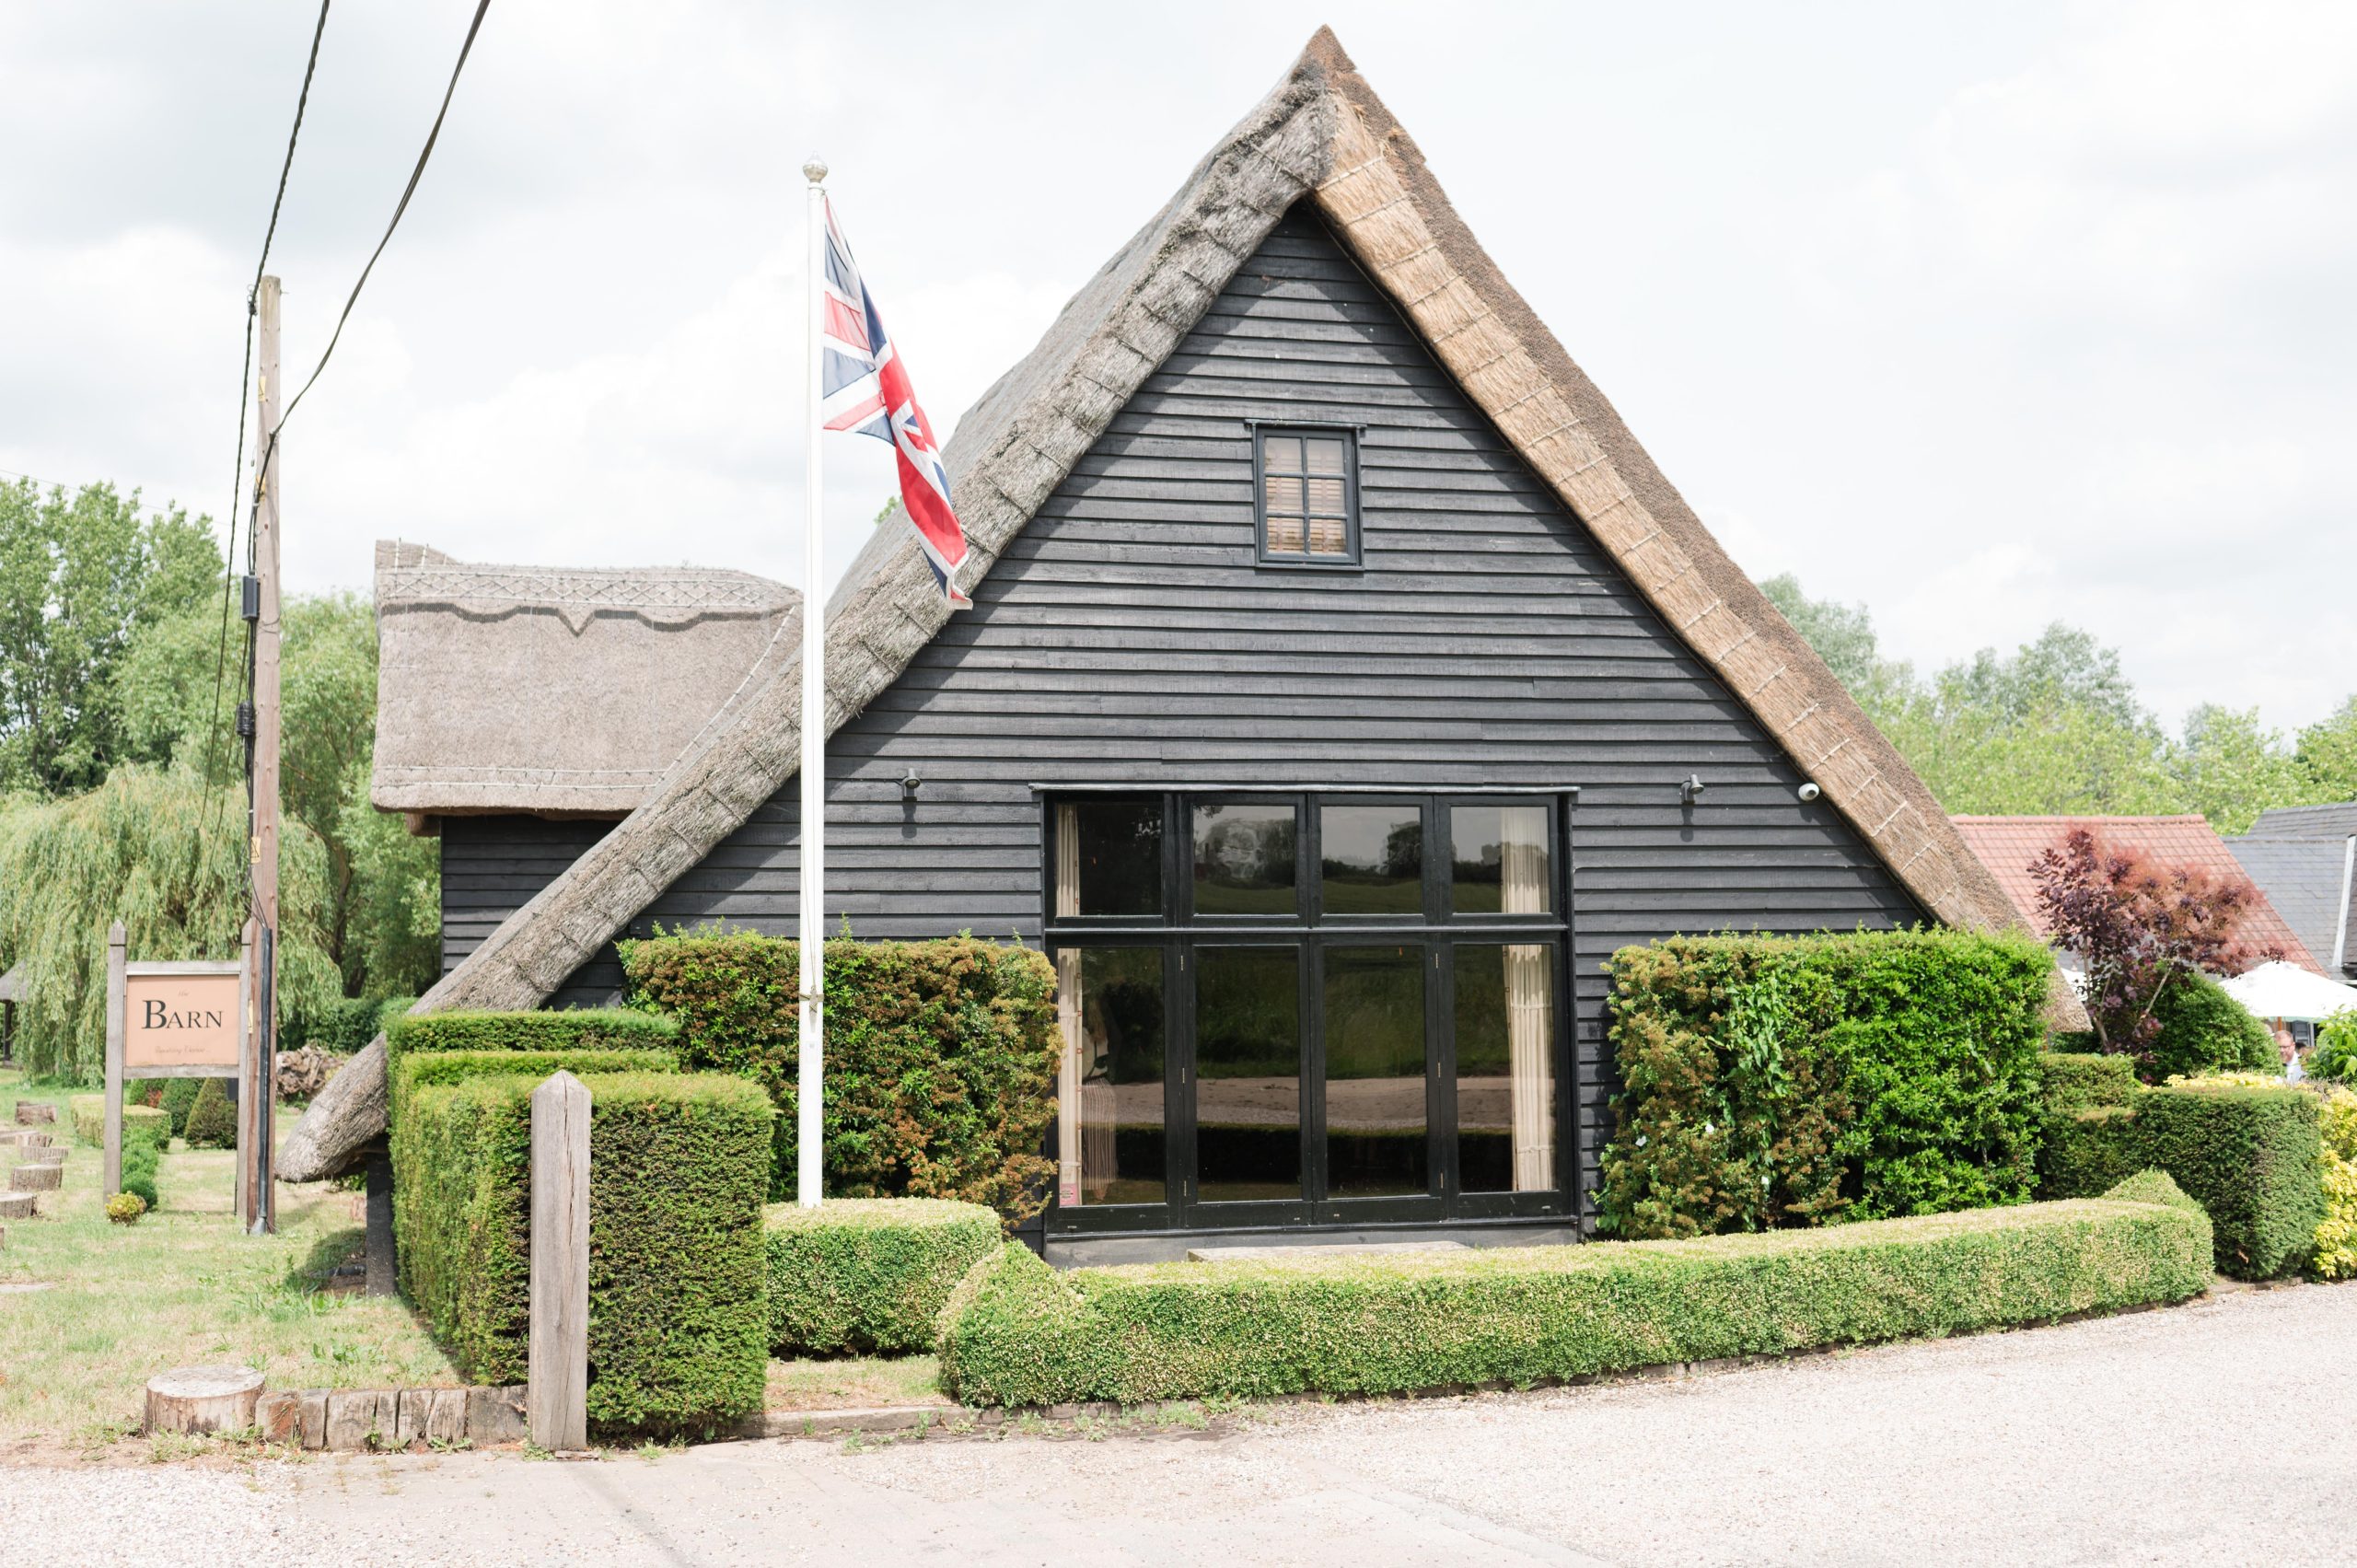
point(1321, 134)
point(558, 691)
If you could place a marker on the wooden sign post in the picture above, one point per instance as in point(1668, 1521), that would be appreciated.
point(168, 1021)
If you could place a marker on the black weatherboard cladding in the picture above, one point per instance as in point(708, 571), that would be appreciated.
point(1127, 637)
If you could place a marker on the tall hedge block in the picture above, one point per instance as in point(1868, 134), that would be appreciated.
point(1771, 1082)
point(2250, 1156)
point(678, 1165)
point(581, 1028)
point(941, 1056)
point(1017, 1333)
point(868, 1274)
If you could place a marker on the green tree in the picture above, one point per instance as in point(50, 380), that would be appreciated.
point(2231, 767)
point(1844, 636)
point(2326, 754)
point(80, 578)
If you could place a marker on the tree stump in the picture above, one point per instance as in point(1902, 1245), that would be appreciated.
point(42, 1156)
point(17, 1206)
point(202, 1399)
point(37, 1179)
point(32, 1111)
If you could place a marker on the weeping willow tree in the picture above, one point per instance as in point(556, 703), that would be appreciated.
point(157, 850)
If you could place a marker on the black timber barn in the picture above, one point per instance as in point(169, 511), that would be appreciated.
point(1342, 686)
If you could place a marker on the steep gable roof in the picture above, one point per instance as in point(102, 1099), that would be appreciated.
point(1321, 134)
point(2009, 845)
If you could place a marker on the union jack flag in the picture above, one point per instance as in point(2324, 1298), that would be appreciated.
point(868, 392)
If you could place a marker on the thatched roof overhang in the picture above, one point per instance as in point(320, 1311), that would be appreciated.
point(1322, 134)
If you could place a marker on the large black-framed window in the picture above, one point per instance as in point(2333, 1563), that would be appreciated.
point(1306, 494)
point(1341, 1007)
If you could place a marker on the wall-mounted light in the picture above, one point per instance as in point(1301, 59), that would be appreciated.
point(909, 784)
point(1690, 790)
point(1808, 791)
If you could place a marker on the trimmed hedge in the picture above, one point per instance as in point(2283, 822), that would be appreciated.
point(2204, 1029)
point(868, 1274)
point(89, 1115)
point(581, 1028)
point(1016, 1332)
point(142, 1155)
point(1772, 1081)
point(2077, 1083)
point(2336, 1253)
point(456, 1066)
point(212, 1120)
point(2249, 1156)
point(677, 1320)
point(941, 1056)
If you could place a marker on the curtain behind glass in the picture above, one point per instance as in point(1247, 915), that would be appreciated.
point(1530, 1013)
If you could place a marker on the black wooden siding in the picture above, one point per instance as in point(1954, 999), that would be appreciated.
point(1127, 637)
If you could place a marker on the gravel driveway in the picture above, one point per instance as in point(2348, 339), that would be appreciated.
point(2220, 1433)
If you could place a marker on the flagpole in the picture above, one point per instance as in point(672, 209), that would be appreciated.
point(812, 926)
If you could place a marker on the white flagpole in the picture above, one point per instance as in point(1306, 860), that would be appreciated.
point(812, 929)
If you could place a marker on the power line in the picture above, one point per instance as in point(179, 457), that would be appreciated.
point(245, 384)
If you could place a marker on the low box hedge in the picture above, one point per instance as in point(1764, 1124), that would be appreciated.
point(89, 1115)
point(868, 1274)
point(678, 1165)
point(1016, 1332)
point(2250, 1155)
point(455, 1066)
point(579, 1029)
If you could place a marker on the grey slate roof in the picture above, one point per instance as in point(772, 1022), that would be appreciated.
point(2306, 880)
point(2308, 822)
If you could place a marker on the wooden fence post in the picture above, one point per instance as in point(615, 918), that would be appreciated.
point(558, 1358)
point(111, 1183)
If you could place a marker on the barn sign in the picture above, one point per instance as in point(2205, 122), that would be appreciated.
point(170, 1020)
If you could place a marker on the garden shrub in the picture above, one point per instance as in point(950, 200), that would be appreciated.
point(453, 1066)
point(941, 1056)
point(142, 1154)
point(868, 1274)
point(1779, 1081)
point(344, 1024)
point(2247, 1151)
point(2336, 1250)
point(89, 1113)
point(1017, 1333)
point(211, 1119)
point(678, 1165)
point(2335, 1055)
point(581, 1028)
point(2077, 1083)
point(180, 1098)
point(2204, 1029)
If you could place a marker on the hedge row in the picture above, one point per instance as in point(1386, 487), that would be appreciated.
point(941, 1056)
point(868, 1274)
point(1016, 1332)
point(1780, 1081)
point(89, 1115)
point(2249, 1155)
point(678, 1165)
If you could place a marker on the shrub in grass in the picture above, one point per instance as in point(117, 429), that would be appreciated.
point(211, 1119)
point(180, 1098)
point(868, 1274)
point(125, 1207)
point(940, 1055)
point(1016, 1331)
point(89, 1117)
point(1772, 1081)
point(2247, 1152)
point(142, 1155)
point(678, 1168)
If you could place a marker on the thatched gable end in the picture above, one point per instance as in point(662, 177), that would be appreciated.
point(1320, 135)
point(566, 692)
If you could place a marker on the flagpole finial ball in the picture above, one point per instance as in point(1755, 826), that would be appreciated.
point(815, 170)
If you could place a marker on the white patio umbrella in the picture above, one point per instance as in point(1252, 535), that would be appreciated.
point(2279, 990)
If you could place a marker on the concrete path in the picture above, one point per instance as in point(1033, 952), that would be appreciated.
point(2222, 1432)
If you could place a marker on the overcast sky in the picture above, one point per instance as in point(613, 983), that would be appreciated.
point(1984, 314)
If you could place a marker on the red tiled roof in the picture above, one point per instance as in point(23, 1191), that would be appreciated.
point(2008, 845)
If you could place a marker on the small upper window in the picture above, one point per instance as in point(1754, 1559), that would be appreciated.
point(1309, 500)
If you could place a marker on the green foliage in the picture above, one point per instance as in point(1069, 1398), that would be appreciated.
point(1017, 1333)
point(2081, 1081)
point(167, 859)
point(89, 1113)
point(2336, 1250)
point(341, 1024)
point(868, 1274)
point(1781, 1081)
point(211, 1119)
point(2155, 1187)
point(940, 1055)
point(581, 1028)
point(2335, 1056)
point(142, 1155)
point(179, 1094)
point(80, 579)
point(418, 1068)
point(2056, 728)
point(2249, 1156)
point(2204, 1029)
point(125, 1207)
point(678, 1316)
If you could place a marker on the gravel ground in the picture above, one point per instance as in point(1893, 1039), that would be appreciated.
point(2220, 1433)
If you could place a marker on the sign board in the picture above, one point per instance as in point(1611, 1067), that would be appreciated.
point(182, 1022)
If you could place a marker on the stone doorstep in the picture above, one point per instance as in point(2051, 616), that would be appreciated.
point(356, 1420)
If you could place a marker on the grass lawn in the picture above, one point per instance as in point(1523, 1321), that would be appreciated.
point(182, 1288)
point(855, 1383)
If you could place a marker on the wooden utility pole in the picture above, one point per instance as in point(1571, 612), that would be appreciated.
point(261, 1209)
